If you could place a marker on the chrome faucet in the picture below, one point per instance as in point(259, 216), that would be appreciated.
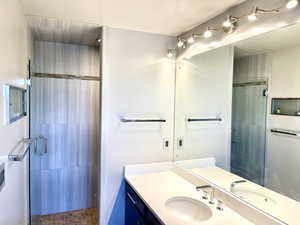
point(205, 194)
point(234, 183)
point(198, 188)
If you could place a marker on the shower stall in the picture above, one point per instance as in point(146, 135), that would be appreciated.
point(249, 110)
point(64, 110)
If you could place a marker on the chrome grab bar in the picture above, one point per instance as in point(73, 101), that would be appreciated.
point(20, 157)
point(29, 142)
point(126, 120)
point(203, 119)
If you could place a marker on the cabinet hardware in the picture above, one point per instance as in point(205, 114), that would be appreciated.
point(131, 198)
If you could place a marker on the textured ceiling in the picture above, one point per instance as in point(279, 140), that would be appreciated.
point(169, 17)
point(63, 31)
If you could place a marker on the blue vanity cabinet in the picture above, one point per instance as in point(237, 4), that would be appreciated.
point(137, 213)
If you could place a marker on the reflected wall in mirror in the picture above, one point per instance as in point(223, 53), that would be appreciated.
point(203, 106)
point(252, 89)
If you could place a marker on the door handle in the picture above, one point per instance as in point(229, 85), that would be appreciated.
point(131, 198)
point(45, 144)
point(45, 141)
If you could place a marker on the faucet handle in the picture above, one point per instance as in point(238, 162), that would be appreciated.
point(212, 197)
point(205, 195)
point(220, 205)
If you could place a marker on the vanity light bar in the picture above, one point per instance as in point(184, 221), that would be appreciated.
point(231, 23)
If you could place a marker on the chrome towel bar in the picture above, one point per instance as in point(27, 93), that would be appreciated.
point(127, 120)
point(285, 132)
point(203, 119)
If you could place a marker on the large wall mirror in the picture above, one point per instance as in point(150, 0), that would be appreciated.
point(241, 105)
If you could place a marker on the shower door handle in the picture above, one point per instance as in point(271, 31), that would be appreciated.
point(45, 144)
point(45, 141)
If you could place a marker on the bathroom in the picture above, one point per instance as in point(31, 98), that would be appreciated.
point(149, 113)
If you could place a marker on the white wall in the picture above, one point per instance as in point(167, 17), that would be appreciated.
point(13, 63)
point(283, 153)
point(138, 81)
point(204, 90)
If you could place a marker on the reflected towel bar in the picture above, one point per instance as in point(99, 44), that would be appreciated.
point(126, 120)
point(286, 132)
point(203, 119)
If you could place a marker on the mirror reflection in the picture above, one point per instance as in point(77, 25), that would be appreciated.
point(239, 104)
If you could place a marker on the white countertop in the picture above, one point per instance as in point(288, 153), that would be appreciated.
point(285, 209)
point(156, 188)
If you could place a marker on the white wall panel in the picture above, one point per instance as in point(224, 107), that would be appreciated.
point(14, 52)
point(138, 81)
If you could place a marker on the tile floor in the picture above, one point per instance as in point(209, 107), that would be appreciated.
point(79, 217)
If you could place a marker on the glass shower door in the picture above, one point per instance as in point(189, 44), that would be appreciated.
point(248, 142)
point(38, 150)
point(64, 176)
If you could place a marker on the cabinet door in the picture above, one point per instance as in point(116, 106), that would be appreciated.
point(132, 216)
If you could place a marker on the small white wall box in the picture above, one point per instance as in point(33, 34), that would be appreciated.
point(2, 176)
point(14, 103)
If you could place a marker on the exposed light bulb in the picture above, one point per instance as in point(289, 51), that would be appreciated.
point(191, 40)
point(227, 23)
point(170, 53)
point(99, 40)
point(230, 25)
point(291, 4)
point(180, 43)
point(252, 17)
point(207, 34)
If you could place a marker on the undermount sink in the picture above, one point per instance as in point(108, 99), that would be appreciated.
point(252, 195)
point(188, 209)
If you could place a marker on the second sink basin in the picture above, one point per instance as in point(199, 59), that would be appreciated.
point(188, 209)
point(252, 195)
